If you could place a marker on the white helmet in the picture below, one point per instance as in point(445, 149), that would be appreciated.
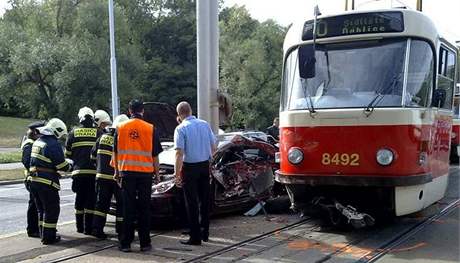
point(101, 116)
point(118, 120)
point(83, 112)
point(54, 127)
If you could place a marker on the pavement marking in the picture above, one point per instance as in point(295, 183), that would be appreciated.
point(24, 232)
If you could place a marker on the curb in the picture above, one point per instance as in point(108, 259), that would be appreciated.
point(20, 181)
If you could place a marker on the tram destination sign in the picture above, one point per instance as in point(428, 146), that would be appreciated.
point(353, 24)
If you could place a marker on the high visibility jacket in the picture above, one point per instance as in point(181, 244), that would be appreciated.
point(78, 148)
point(46, 159)
point(134, 146)
point(26, 148)
point(102, 153)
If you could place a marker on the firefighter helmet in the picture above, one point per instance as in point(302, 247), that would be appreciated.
point(101, 116)
point(118, 120)
point(85, 111)
point(54, 127)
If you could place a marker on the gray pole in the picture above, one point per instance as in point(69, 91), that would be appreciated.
point(113, 62)
point(203, 58)
point(214, 64)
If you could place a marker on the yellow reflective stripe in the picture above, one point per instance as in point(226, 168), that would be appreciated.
point(84, 171)
point(79, 212)
point(119, 219)
point(104, 176)
point(49, 225)
point(99, 213)
point(80, 144)
point(89, 211)
point(26, 142)
point(26, 173)
point(93, 157)
point(45, 181)
point(68, 153)
point(104, 152)
point(41, 157)
point(62, 165)
point(40, 223)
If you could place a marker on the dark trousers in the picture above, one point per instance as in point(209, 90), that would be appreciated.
point(196, 192)
point(105, 189)
point(47, 200)
point(32, 214)
point(85, 199)
point(136, 192)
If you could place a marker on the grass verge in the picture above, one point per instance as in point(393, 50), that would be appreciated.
point(10, 157)
point(12, 130)
point(7, 175)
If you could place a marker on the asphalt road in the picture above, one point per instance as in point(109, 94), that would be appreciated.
point(13, 206)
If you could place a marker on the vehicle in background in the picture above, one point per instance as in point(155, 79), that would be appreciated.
point(455, 146)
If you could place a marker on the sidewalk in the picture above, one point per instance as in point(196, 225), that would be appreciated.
point(10, 166)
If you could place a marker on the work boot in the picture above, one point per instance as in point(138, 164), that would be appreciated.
point(124, 249)
point(99, 234)
point(51, 241)
point(33, 234)
point(146, 248)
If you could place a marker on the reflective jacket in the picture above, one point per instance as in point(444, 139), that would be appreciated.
point(102, 154)
point(46, 159)
point(134, 147)
point(78, 148)
point(26, 148)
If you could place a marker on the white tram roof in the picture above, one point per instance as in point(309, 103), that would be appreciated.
point(416, 24)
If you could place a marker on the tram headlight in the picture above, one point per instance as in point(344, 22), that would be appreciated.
point(295, 155)
point(385, 157)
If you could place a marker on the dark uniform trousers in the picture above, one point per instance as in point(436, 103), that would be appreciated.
point(84, 187)
point(196, 191)
point(136, 192)
point(105, 189)
point(32, 215)
point(47, 201)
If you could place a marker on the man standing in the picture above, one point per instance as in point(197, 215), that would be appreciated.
point(106, 187)
point(32, 215)
point(274, 130)
point(46, 159)
point(78, 148)
point(136, 147)
point(195, 144)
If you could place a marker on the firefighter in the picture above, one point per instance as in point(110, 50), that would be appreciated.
point(106, 186)
point(135, 151)
point(78, 148)
point(102, 119)
point(26, 147)
point(46, 159)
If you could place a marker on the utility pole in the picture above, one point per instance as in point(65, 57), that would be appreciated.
point(352, 4)
point(346, 5)
point(208, 61)
point(113, 63)
point(419, 5)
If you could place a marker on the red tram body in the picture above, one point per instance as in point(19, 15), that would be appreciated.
point(372, 124)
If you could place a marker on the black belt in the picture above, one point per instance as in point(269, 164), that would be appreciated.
point(196, 164)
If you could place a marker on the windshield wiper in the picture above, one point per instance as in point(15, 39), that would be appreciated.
point(380, 95)
point(306, 95)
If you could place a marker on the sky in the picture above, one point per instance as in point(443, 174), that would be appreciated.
point(444, 13)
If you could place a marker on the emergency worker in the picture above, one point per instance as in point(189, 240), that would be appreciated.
point(78, 148)
point(136, 147)
point(102, 119)
point(274, 130)
point(26, 147)
point(46, 159)
point(106, 186)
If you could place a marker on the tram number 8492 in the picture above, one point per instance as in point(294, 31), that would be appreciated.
point(343, 159)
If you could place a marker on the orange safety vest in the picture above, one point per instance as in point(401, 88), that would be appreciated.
point(134, 146)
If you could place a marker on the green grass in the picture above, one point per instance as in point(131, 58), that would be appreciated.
point(12, 130)
point(10, 157)
point(6, 175)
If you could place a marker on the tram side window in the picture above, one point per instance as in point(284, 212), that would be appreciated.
point(446, 73)
point(420, 74)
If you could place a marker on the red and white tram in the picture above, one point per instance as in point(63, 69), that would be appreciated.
point(366, 110)
point(455, 144)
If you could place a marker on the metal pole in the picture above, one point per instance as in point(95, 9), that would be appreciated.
point(113, 63)
point(214, 64)
point(419, 5)
point(203, 61)
point(346, 5)
point(352, 4)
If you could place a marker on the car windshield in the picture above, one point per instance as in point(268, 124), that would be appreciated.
point(358, 74)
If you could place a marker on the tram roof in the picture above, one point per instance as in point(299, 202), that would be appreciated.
point(416, 24)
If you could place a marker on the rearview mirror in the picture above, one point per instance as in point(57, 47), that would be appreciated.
point(307, 62)
point(439, 98)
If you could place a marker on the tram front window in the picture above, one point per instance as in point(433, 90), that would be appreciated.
point(355, 75)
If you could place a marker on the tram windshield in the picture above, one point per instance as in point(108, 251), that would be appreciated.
point(359, 74)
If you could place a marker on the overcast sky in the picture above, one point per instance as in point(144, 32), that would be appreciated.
point(445, 13)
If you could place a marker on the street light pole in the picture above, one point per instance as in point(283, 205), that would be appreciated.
point(113, 62)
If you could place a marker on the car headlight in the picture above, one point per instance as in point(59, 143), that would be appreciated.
point(385, 157)
point(163, 187)
point(295, 155)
